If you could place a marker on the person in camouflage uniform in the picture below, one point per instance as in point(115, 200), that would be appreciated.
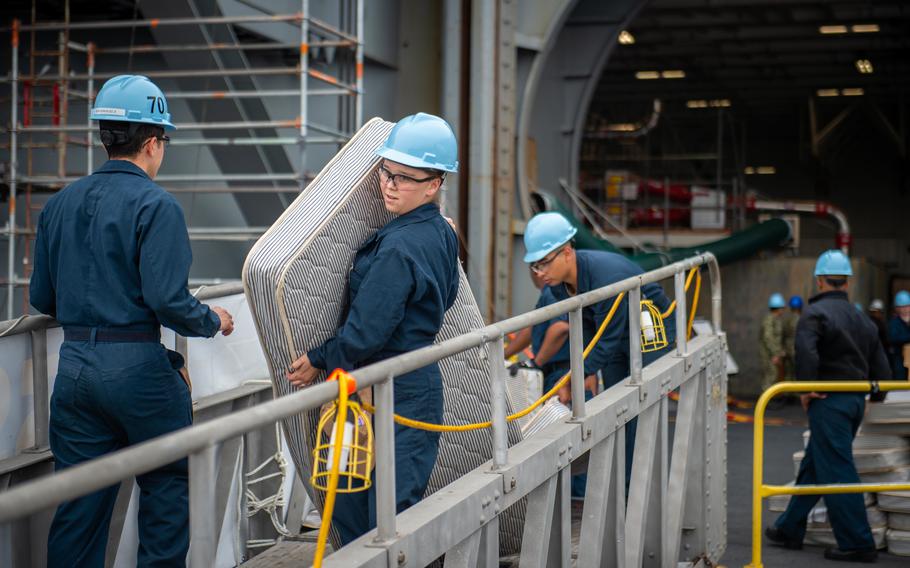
point(771, 341)
point(790, 319)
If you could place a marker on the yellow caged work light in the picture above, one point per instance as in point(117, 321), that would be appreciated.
point(355, 445)
point(653, 333)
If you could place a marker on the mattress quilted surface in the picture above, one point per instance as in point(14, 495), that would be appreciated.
point(295, 279)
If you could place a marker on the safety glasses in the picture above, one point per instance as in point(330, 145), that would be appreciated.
point(544, 263)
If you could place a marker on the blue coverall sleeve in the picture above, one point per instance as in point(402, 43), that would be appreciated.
point(610, 340)
point(165, 257)
point(879, 367)
point(374, 314)
point(41, 291)
point(898, 334)
point(809, 331)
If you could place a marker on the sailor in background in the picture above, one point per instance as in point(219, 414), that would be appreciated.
point(899, 333)
point(791, 318)
point(403, 280)
point(771, 341)
point(112, 260)
point(548, 242)
point(834, 341)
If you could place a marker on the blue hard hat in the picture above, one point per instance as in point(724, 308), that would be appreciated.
point(796, 302)
point(422, 141)
point(545, 233)
point(132, 98)
point(776, 301)
point(902, 299)
point(833, 263)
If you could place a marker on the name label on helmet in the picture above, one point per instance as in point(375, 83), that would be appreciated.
point(156, 102)
point(108, 111)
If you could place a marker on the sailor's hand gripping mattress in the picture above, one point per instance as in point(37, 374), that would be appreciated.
point(295, 279)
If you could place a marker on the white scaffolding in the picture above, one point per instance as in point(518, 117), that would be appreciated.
point(41, 96)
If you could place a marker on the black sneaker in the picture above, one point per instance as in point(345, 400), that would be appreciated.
point(778, 538)
point(867, 555)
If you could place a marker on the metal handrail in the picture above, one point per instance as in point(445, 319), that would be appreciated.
point(198, 441)
point(760, 490)
point(40, 322)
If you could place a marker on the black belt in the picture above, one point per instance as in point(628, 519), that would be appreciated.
point(548, 368)
point(102, 335)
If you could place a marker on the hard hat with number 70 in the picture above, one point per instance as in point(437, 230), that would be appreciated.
point(545, 233)
point(833, 263)
point(132, 98)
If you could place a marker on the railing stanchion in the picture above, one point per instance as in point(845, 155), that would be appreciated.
point(576, 347)
point(203, 528)
point(635, 334)
point(385, 460)
point(500, 404)
point(679, 293)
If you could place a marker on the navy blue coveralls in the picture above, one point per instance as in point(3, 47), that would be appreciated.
point(834, 342)
point(898, 335)
point(403, 280)
point(558, 365)
point(596, 269)
point(112, 258)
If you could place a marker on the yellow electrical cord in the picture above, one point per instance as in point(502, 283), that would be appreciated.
point(672, 307)
point(340, 418)
point(429, 426)
point(344, 380)
point(694, 304)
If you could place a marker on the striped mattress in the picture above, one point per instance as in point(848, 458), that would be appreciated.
point(295, 280)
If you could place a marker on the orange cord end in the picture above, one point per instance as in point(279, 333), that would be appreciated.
point(341, 375)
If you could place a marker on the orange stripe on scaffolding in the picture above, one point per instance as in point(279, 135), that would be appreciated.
point(323, 77)
point(14, 40)
point(304, 48)
point(360, 70)
point(218, 95)
point(154, 22)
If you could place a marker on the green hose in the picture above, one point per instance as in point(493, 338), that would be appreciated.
point(737, 246)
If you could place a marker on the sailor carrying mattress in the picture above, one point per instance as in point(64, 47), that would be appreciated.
point(362, 267)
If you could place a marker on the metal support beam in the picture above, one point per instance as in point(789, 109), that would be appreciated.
point(481, 155)
point(504, 195)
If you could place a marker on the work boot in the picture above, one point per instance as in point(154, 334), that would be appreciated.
point(868, 555)
point(778, 538)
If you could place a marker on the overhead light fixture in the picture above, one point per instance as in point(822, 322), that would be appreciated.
point(647, 75)
point(697, 103)
point(713, 103)
point(673, 74)
point(622, 127)
point(865, 28)
point(766, 170)
point(626, 38)
point(827, 92)
point(834, 29)
point(719, 103)
point(749, 170)
point(854, 92)
point(864, 66)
